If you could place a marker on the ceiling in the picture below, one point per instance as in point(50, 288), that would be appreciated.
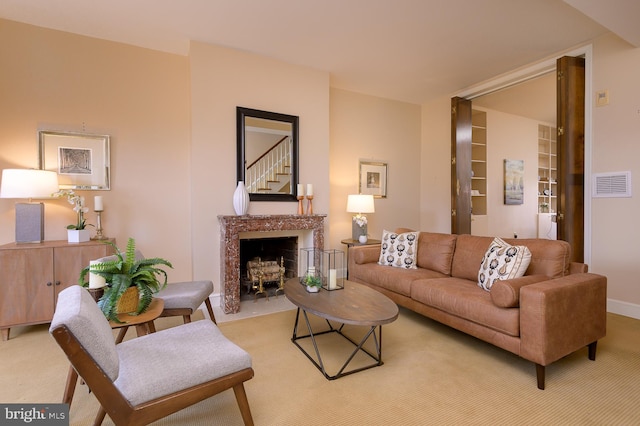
point(407, 50)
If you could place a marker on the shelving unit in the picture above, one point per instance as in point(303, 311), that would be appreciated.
point(547, 169)
point(478, 163)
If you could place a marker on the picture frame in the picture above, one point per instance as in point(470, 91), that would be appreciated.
point(373, 179)
point(81, 160)
point(513, 182)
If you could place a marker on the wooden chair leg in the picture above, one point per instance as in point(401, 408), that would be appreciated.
point(243, 403)
point(99, 417)
point(186, 319)
point(207, 302)
point(70, 386)
point(540, 374)
point(592, 350)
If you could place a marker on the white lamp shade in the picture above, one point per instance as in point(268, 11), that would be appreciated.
point(28, 183)
point(360, 203)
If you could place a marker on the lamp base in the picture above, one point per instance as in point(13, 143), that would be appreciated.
point(356, 230)
point(29, 222)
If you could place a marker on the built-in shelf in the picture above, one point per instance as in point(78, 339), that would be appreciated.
point(547, 169)
point(478, 162)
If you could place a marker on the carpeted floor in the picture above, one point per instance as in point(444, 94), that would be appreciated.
point(431, 375)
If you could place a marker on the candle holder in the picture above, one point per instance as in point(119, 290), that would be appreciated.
point(300, 206)
point(309, 205)
point(333, 267)
point(99, 233)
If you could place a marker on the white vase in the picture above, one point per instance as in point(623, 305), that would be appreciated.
point(241, 199)
point(78, 235)
point(313, 289)
point(363, 239)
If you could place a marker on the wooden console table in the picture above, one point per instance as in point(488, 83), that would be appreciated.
point(34, 274)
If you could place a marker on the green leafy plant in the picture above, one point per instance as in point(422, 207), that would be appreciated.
point(126, 271)
point(312, 281)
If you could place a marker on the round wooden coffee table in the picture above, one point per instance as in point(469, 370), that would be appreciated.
point(355, 304)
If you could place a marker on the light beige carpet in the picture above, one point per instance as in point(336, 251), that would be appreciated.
point(431, 375)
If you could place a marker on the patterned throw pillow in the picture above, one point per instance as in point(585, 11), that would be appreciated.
point(399, 250)
point(502, 261)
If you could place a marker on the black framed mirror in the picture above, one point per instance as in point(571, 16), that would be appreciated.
point(267, 154)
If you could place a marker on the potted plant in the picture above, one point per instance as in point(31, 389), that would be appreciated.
point(313, 282)
point(126, 272)
point(76, 232)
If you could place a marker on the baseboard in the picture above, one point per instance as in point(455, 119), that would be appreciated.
point(623, 308)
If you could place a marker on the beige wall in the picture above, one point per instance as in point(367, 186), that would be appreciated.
point(58, 81)
point(374, 129)
point(222, 79)
point(616, 147)
point(511, 137)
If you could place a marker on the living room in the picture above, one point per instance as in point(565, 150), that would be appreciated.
point(172, 123)
point(171, 118)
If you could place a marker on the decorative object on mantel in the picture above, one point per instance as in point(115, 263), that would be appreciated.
point(28, 184)
point(310, 198)
point(241, 199)
point(359, 203)
point(127, 279)
point(98, 207)
point(300, 197)
point(76, 233)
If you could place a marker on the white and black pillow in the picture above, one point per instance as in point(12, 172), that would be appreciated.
point(399, 250)
point(502, 261)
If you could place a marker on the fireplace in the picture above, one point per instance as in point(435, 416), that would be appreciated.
point(308, 228)
point(272, 253)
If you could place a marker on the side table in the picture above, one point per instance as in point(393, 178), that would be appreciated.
point(144, 325)
point(350, 242)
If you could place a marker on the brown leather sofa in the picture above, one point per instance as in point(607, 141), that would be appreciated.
point(555, 309)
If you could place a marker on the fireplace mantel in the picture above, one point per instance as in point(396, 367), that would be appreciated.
point(230, 229)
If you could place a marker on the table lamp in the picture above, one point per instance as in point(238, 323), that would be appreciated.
point(359, 204)
point(29, 184)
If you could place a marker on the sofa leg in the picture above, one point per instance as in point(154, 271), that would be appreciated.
point(592, 350)
point(540, 374)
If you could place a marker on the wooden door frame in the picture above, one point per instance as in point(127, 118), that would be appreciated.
point(538, 69)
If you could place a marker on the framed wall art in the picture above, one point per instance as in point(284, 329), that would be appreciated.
point(81, 160)
point(513, 182)
point(373, 179)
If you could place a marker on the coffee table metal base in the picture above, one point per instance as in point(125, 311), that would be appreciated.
point(372, 333)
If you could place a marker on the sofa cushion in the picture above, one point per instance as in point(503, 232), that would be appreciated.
point(502, 261)
point(468, 254)
point(464, 299)
point(399, 250)
point(393, 279)
point(435, 251)
point(548, 257)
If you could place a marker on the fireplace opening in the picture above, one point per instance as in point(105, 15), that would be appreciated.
point(269, 259)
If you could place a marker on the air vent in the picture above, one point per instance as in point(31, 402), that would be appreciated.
point(615, 184)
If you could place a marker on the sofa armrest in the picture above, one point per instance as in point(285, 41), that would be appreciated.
point(506, 293)
point(562, 315)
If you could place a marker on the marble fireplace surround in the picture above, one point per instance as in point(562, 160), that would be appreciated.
point(230, 229)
